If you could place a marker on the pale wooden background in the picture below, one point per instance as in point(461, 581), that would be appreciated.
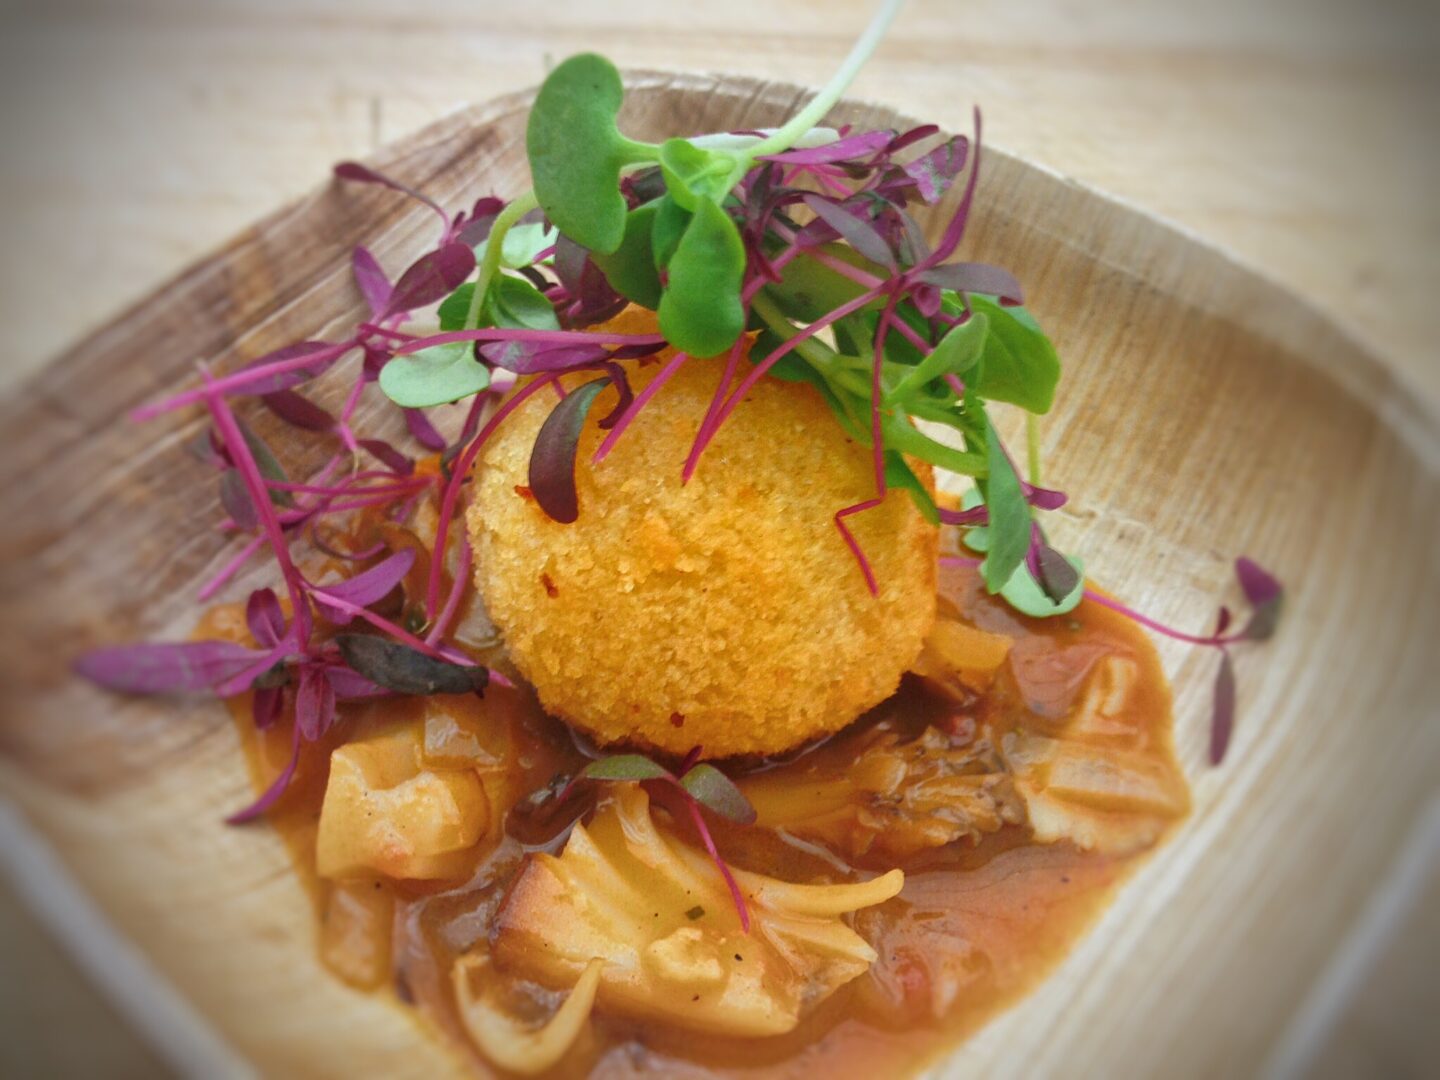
point(138, 135)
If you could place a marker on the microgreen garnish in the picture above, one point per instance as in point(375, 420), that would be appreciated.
point(552, 459)
point(801, 235)
point(698, 784)
point(1265, 596)
point(405, 670)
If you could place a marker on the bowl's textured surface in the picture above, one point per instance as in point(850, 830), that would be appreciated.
point(1204, 413)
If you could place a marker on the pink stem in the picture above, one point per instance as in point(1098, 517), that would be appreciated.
point(457, 590)
point(785, 347)
point(709, 842)
point(702, 437)
point(641, 400)
point(240, 379)
point(230, 569)
point(264, 509)
point(399, 633)
point(854, 545)
point(1158, 627)
point(459, 472)
point(540, 337)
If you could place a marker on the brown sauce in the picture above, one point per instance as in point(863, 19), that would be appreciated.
point(980, 921)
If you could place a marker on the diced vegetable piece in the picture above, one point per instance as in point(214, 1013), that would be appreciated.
point(956, 652)
point(384, 813)
point(355, 932)
point(460, 733)
point(893, 798)
point(659, 914)
point(507, 1042)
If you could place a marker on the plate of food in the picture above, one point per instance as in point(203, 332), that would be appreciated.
point(663, 575)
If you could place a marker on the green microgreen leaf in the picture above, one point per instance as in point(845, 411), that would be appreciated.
point(1019, 364)
point(898, 474)
point(434, 376)
point(624, 767)
point(1009, 515)
point(700, 311)
point(513, 303)
point(630, 268)
point(518, 305)
point(808, 290)
point(958, 351)
point(693, 175)
point(667, 230)
point(715, 791)
point(576, 152)
point(521, 244)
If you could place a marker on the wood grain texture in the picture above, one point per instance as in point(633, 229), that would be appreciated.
point(1205, 412)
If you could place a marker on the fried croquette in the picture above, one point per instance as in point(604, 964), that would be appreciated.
point(727, 613)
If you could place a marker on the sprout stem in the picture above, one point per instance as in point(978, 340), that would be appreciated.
point(494, 246)
point(825, 100)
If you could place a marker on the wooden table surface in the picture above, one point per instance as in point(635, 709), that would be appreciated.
point(1301, 135)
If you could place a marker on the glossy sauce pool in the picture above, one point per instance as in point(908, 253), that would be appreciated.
point(978, 924)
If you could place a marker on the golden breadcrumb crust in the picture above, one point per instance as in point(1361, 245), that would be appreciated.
point(726, 613)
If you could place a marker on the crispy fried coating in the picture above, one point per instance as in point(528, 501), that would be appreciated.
point(726, 613)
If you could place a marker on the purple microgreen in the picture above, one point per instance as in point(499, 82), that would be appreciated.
point(266, 706)
point(430, 278)
point(929, 176)
point(736, 896)
point(265, 617)
point(236, 500)
point(423, 431)
point(955, 230)
point(532, 358)
point(365, 588)
point(405, 670)
point(363, 174)
point(398, 463)
point(273, 677)
point(1265, 594)
point(969, 277)
point(457, 592)
point(1223, 721)
point(634, 408)
point(284, 368)
point(314, 703)
point(1043, 498)
point(851, 146)
point(240, 451)
point(1053, 572)
point(370, 279)
point(552, 458)
point(298, 410)
point(461, 469)
point(162, 668)
point(859, 233)
point(712, 789)
point(272, 794)
point(854, 545)
point(1222, 620)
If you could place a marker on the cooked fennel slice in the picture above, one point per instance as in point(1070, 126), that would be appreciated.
point(505, 1040)
point(659, 914)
